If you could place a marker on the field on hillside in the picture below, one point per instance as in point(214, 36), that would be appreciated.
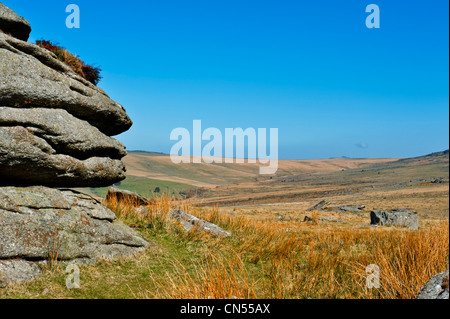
point(160, 167)
point(146, 171)
point(418, 183)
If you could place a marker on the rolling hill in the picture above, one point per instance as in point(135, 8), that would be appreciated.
point(158, 166)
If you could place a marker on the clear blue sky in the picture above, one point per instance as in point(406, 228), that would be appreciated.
point(309, 68)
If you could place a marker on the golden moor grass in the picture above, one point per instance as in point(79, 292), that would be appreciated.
point(216, 277)
point(305, 260)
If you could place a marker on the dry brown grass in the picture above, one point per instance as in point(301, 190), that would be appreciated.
point(297, 260)
point(216, 277)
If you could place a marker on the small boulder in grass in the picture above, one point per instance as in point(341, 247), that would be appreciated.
point(189, 222)
point(128, 197)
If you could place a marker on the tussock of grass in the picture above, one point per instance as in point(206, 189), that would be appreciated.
point(88, 72)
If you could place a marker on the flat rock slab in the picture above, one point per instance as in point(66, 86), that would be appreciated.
point(319, 206)
point(436, 287)
point(324, 206)
point(37, 222)
point(348, 208)
point(64, 133)
point(190, 222)
point(395, 217)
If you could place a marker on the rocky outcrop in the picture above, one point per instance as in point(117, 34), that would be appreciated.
point(55, 130)
point(55, 126)
point(436, 287)
point(190, 222)
point(12, 24)
point(395, 217)
point(38, 222)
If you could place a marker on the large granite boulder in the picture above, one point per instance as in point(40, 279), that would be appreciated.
point(436, 287)
point(13, 24)
point(395, 217)
point(37, 223)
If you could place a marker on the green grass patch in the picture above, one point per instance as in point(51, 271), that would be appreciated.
point(145, 187)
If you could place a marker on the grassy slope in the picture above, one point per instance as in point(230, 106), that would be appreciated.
point(262, 259)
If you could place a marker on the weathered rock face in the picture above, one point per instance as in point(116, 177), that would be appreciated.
point(190, 222)
point(64, 133)
point(395, 217)
point(17, 270)
point(11, 23)
point(26, 159)
point(436, 287)
point(37, 222)
point(54, 148)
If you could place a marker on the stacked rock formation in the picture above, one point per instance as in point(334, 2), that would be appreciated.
point(55, 131)
point(55, 126)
